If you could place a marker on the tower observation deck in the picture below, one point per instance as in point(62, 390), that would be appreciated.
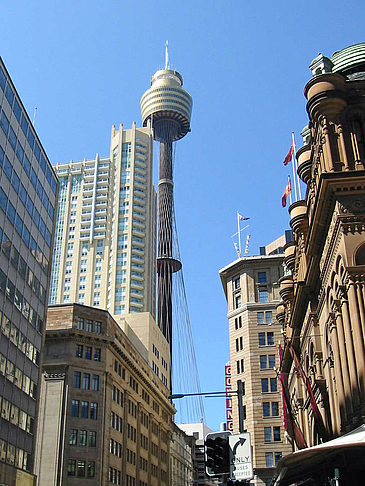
point(168, 106)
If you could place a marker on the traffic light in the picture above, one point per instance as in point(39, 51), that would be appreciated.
point(217, 453)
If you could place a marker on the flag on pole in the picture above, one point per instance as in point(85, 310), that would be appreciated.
point(242, 218)
point(286, 193)
point(289, 155)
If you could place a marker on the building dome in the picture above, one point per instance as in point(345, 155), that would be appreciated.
point(349, 60)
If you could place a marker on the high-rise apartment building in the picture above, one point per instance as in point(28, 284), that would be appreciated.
point(251, 286)
point(28, 193)
point(105, 240)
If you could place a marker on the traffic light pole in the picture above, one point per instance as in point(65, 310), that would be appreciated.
point(238, 392)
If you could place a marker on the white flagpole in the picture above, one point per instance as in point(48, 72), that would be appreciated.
point(294, 179)
point(239, 232)
point(296, 165)
point(290, 198)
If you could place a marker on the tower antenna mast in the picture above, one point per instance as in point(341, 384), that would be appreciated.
point(167, 55)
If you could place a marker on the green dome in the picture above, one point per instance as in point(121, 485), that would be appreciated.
point(349, 60)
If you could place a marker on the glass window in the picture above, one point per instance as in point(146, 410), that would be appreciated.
point(11, 212)
point(18, 224)
point(86, 381)
point(237, 301)
point(89, 327)
point(3, 200)
point(264, 385)
point(268, 317)
point(79, 350)
point(8, 168)
point(270, 338)
point(91, 469)
point(85, 409)
point(260, 318)
point(73, 437)
point(83, 438)
point(26, 165)
point(276, 431)
point(88, 352)
point(4, 123)
point(92, 438)
point(81, 469)
point(2, 86)
point(267, 434)
point(9, 94)
point(75, 408)
point(97, 329)
point(262, 339)
point(278, 456)
point(80, 323)
point(273, 384)
point(19, 152)
point(93, 410)
point(269, 459)
point(261, 277)
point(263, 362)
point(97, 352)
point(275, 409)
point(266, 409)
point(236, 283)
point(23, 194)
point(17, 110)
point(95, 383)
point(30, 138)
point(263, 295)
point(24, 124)
point(272, 361)
point(12, 137)
point(77, 379)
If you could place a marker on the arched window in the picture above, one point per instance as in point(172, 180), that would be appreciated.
point(360, 255)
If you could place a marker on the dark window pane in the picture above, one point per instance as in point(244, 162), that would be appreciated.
point(276, 431)
point(15, 181)
point(272, 360)
point(2, 153)
point(22, 267)
point(51, 211)
point(4, 123)
point(30, 138)
point(12, 138)
point(30, 206)
point(275, 409)
point(37, 151)
point(267, 433)
point(9, 94)
point(24, 124)
point(45, 199)
point(270, 338)
point(36, 217)
point(263, 362)
point(11, 212)
point(42, 228)
point(75, 408)
point(19, 225)
point(264, 385)
point(26, 235)
point(266, 409)
point(77, 379)
point(43, 164)
point(53, 185)
point(39, 190)
point(6, 245)
point(17, 110)
point(14, 259)
point(23, 194)
point(48, 237)
point(2, 79)
point(33, 178)
point(262, 339)
point(261, 277)
point(26, 165)
point(8, 168)
point(3, 200)
point(85, 409)
point(48, 175)
point(273, 384)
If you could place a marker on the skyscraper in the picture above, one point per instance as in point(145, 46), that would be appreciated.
point(104, 254)
point(28, 191)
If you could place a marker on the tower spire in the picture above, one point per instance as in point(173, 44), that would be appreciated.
point(167, 54)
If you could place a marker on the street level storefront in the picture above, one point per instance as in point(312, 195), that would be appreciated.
point(339, 462)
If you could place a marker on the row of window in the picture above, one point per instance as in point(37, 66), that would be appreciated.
point(19, 187)
point(263, 297)
point(131, 433)
point(82, 437)
point(21, 266)
point(88, 325)
point(14, 455)
point(87, 409)
point(13, 414)
point(115, 448)
point(116, 422)
point(86, 352)
point(11, 331)
point(8, 288)
point(86, 381)
point(80, 468)
point(27, 130)
point(16, 376)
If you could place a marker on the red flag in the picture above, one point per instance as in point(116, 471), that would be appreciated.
point(316, 413)
point(289, 155)
point(286, 193)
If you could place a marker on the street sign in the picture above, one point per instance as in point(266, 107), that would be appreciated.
point(241, 456)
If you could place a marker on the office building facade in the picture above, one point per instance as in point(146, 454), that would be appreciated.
point(251, 286)
point(105, 241)
point(28, 198)
point(104, 417)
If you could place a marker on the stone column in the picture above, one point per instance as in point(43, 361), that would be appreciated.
point(350, 348)
point(357, 335)
point(341, 398)
point(343, 359)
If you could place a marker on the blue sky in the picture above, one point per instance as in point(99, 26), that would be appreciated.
point(85, 65)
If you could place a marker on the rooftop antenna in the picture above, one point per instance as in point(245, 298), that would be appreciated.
point(167, 55)
point(35, 114)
